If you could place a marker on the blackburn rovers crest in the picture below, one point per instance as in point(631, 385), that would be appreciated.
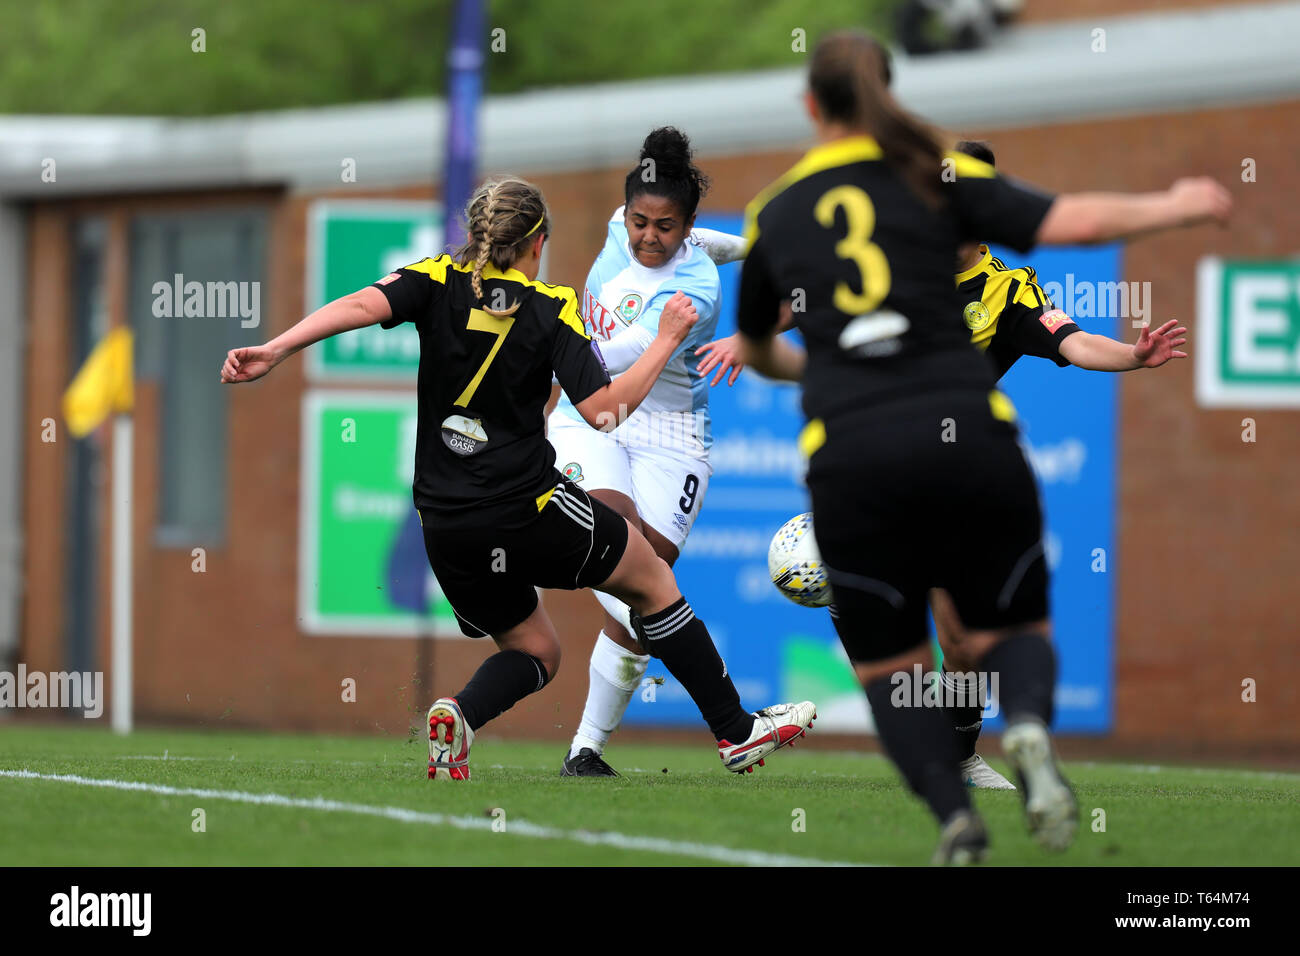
point(630, 307)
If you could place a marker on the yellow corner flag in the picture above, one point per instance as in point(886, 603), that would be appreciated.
point(104, 385)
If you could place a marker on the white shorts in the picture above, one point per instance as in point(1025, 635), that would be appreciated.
point(667, 485)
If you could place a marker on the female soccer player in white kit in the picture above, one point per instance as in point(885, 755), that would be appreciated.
point(653, 468)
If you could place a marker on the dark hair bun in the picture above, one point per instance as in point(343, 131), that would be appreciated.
point(667, 146)
point(676, 177)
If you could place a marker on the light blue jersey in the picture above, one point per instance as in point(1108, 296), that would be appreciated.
point(621, 307)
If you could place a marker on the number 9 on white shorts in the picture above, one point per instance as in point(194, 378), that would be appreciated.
point(667, 484)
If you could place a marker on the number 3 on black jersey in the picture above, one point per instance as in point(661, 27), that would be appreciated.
point(498, 325)
point(856, 247)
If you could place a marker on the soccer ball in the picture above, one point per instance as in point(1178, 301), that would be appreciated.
point(796, 565)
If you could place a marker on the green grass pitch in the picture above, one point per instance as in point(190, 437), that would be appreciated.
point(314, 800)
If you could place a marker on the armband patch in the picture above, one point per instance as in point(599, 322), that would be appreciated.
point(1054, 319)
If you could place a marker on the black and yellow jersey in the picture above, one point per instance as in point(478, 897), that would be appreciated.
point(481, 454)
point(1009, 315)
point(867, 269)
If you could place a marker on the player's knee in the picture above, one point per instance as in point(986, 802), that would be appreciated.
point(550, 659)
point(980, 644)
point(660, 588)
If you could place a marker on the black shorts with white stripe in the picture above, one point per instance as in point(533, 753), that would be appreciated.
point(489, 575)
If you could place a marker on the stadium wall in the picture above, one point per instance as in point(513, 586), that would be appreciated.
point(1209, 531)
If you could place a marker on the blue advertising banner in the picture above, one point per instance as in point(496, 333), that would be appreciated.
point(778, 651)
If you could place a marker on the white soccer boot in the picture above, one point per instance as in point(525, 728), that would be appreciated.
point(978, 775)
point(449, 741)
point(1049, 805)
point(774, 727)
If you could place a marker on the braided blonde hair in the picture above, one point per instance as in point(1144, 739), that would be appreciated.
point(503, 217)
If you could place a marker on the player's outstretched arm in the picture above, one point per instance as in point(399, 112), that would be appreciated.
point(725, 355)
point(608, 407)
point(773, 356)
point(364, 307)
point(1101, 354)
point(1099, 217)
point(721, 247)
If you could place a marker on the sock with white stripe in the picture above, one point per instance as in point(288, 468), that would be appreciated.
point(964, 696)
point(679, 639)
point(500, 682)
point(615, 674)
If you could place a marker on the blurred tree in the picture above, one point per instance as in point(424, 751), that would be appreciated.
point(139, 56)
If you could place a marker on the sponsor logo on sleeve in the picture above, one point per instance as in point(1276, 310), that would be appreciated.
point(1054, 319)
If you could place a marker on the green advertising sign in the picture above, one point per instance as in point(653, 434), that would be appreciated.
point(1247, 337)
point(358, 453)
point(350, 245)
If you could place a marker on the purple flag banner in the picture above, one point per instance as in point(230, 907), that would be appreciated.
point(464, 90)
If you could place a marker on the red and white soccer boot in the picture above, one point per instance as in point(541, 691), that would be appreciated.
point(449, 741)
point(774, 727)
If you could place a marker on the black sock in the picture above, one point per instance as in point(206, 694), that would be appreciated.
point(679, 639)
point(921, 743)
point(500, 682)
point(1025, 667)
point(964, 706)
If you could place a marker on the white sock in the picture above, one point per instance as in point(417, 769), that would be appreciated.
point(615, 674)
point(617, 610)
point(722, 247)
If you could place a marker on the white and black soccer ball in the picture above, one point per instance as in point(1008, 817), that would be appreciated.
point(796, 565)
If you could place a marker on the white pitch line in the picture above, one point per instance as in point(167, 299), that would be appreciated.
point(1174, 768)
point(621, 841)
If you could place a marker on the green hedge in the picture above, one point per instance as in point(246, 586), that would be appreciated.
point(136, 56)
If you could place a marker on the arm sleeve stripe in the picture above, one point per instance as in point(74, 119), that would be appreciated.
point(569, 311)
point(435, 269)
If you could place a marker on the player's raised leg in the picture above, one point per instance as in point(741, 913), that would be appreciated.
point(670, 631)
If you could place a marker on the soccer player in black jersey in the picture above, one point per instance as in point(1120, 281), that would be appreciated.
point(499, 520)
point(1009, 316)
point(906, 427)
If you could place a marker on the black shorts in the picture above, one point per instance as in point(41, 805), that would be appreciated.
point(897, 510)
point(489, 575)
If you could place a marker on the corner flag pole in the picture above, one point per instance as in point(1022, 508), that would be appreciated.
point(104, 388)
point(121, 693)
